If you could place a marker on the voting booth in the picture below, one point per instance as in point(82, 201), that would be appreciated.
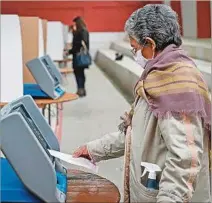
point(65, 34)
point(11, 74)
point(29, 173)
point(44, 26)
point(48, 77)
point(55, 40)
point(32, 42)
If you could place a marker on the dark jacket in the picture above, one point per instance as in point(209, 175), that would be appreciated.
point(78, 36)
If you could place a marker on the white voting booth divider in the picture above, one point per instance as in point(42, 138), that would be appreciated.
point(40, 39)
point(65, 34)
point(55, 41)
point(11, 70)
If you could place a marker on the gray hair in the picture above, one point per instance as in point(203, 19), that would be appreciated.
point(157, 21)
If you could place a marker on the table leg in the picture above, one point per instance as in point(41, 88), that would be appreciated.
point(49, 114)
point(57, 121)
point(66, 78)
point(60, 64)
point(43, 111)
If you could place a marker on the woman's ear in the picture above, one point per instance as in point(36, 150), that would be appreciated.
point(151, 43)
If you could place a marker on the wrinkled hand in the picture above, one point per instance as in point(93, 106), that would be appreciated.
point(82, 152)
point(126, 119)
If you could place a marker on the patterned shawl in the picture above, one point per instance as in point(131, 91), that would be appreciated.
point(172, 84)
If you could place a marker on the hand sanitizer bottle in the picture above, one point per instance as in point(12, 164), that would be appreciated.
point(152, 169)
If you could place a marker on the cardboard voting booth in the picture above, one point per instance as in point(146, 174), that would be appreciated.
point(32, 42)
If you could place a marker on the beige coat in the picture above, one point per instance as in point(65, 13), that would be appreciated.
point(178, 146)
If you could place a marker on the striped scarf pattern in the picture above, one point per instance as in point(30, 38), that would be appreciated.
point(178, 89)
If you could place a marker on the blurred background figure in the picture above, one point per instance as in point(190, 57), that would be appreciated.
point(80, 35)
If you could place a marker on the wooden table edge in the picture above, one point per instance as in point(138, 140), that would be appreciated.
point(63, 60)
point(82, 176)
point(41, 103)
point(66, 70)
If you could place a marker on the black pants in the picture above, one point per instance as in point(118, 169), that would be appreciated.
point(80, 77)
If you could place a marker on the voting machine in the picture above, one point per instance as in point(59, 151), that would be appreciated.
point(48, 77)
point(29, 173)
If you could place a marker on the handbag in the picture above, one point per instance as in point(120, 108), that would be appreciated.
point(83, 57)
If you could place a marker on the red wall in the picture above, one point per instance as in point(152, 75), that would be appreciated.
point(176, 6)
point(105, 16)
point(203, 19)
point(102, 16)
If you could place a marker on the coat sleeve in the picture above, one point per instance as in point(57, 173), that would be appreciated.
point(184, 140)
point(74, 48)
point(109, 146)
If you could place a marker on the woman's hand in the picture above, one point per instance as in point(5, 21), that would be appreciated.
point(126, 119)
point(82, 152)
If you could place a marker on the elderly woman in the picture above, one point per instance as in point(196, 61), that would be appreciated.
point(169, 123)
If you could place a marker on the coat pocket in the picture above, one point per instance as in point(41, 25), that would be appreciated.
point(148, 195)
point(142, 195)
point(139, 193)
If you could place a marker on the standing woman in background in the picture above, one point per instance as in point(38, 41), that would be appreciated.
point(80, 33)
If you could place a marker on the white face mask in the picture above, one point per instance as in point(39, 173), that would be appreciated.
point(140, 59)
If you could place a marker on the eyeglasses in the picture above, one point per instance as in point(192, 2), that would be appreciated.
point(133, 51)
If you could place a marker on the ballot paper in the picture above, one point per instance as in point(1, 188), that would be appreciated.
point(74, 161)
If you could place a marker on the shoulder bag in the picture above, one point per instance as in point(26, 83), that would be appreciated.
point(83, 58)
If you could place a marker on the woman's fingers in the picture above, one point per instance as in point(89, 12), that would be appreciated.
point(125, 116)
point(78, 152)
point(82, 152)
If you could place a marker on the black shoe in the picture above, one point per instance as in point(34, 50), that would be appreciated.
point(81, 92)
point(84, 92)
point(77, 92)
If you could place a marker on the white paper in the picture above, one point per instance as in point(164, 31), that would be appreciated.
point(75, 161)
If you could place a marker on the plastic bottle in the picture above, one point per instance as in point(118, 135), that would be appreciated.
point(152, 169)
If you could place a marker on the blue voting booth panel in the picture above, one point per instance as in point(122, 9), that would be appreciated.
point(12, 189)
point(34, 90)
